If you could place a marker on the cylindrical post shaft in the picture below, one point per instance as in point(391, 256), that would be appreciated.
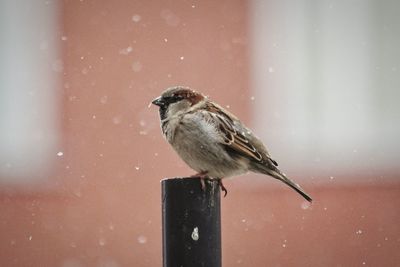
point(191, 223)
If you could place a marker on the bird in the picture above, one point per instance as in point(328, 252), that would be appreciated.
point(212, 141)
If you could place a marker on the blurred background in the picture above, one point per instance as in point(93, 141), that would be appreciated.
point(82, 155)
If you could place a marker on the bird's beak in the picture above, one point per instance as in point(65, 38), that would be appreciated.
point(158, 101)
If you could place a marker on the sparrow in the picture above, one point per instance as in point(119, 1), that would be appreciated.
point(211, 140)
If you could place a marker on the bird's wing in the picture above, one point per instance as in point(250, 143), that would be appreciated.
point(237, 137)
point(240, 141)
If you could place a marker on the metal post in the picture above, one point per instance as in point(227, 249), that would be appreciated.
point(191, 223)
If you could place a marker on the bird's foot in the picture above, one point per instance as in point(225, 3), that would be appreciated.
point(202, 176)
point(223, 188)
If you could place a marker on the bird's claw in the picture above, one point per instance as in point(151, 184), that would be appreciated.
point(223, 188)
point(203, 177)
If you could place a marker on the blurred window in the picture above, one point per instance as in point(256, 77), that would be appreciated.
point(326, 84)
point(30, 70)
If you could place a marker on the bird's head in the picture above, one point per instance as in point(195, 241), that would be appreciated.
point(176, 99)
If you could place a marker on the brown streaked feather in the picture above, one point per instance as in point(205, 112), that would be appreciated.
point(235, 138)
point(192, 96)
point(246, 150)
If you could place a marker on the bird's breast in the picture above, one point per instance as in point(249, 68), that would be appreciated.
point(199, 144)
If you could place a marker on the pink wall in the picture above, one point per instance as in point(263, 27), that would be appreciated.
point(106, 208)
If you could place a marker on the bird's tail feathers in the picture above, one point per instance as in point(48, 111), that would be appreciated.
point(277, 174)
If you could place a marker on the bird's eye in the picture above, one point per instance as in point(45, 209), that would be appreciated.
point(173, 98)
point(177, 97)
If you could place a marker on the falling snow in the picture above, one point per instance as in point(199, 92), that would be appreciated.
point(104, 99)
point(85, 71)
point(102, 241)
point(170, 18)
point(117, 119)
point(136, 66)
point(136, 18)
point(126, 51)
point(58, 65)
point(305, 205)
point(142, 239)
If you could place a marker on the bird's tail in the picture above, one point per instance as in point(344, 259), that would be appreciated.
point(277, 174)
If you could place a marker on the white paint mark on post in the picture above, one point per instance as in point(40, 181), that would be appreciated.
point(195, 234)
